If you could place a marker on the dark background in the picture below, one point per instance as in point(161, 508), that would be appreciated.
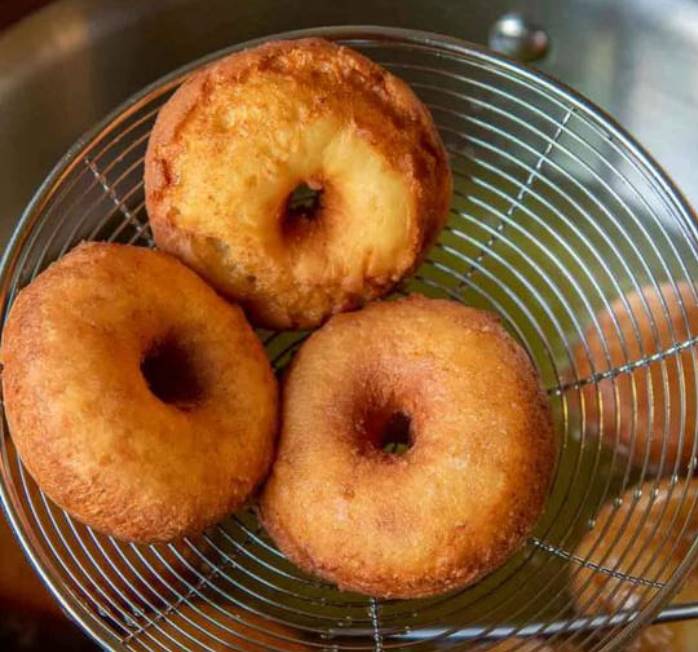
point(12, 10)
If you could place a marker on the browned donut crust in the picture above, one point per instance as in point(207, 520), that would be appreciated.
point(91, 429)
point(460, 501)
point(240, 135)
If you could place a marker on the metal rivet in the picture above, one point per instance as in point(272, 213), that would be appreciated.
point(516, 37)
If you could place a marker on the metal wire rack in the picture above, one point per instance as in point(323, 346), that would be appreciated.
point(560, 223)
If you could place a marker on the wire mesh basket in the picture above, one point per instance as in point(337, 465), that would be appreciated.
point(567, 229)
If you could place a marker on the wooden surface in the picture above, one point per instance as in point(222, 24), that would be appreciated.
point(30, 619)
point(13, 10)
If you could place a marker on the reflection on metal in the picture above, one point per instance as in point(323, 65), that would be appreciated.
point(518, 38)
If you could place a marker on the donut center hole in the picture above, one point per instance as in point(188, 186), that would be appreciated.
point(389, 431)
point(302, 208)
point(171, 375)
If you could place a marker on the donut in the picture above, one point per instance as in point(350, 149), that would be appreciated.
point(415, 453)
point(644, 424)
point(206, 626)
point(299, 178)
point(647, 537)
point(138, 399)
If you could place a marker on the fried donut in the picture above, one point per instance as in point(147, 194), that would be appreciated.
point(629, 410)
point(447, 383)
point(139, 400)
point(234, 147)
point(647, 537)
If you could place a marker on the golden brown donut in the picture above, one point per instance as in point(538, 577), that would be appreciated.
point(631, 545)
point(617, 418)
point(138, 399)
point(239, 136)
point(448, 382)
point(202, 625)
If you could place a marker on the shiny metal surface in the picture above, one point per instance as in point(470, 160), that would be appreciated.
point(517, 37)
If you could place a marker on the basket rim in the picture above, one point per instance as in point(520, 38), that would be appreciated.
point(655, 172)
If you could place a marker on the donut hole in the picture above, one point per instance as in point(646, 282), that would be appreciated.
point(388, 431)
point(302, 209)
point(169, 370)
